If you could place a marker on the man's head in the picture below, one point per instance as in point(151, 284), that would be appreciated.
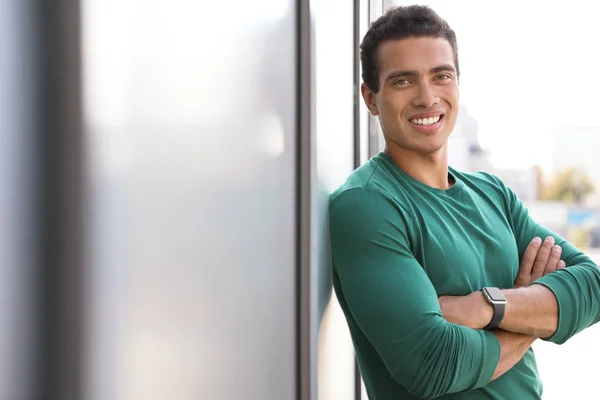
point(410, 72)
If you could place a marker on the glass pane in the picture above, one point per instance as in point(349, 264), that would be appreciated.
point(190, 115)
point(334, 114)
point(17, 332)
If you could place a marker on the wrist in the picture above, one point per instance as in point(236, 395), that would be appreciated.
point(485, 311)
point(532, 310)
point(497, 300)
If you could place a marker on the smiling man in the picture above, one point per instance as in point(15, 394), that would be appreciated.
point(443, 277)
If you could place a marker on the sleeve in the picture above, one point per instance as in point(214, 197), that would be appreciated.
point(395, 304)
point(577, 287)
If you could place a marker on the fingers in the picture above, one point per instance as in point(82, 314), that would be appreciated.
point(524, 275)
point(542, 258)
point(530, 254)
point(553, 260)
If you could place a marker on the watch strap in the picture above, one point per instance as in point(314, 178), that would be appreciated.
point(499, 309)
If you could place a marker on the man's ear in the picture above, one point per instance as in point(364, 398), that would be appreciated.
point(370, 99)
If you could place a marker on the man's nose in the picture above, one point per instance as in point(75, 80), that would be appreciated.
point(426, 96)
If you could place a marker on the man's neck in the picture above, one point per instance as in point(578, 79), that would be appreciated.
point(431, 169)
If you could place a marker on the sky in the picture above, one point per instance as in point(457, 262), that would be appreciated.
point(527, 68)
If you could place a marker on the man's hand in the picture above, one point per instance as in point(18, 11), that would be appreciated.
point(539, 259)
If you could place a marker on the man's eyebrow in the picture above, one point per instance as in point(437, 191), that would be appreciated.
point(442, 68)
point(412, 74)
point(401, 73)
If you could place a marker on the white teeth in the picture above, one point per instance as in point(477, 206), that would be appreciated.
point(425, 121)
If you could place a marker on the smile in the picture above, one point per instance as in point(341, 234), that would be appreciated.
point(428, 124)
point(426, 121)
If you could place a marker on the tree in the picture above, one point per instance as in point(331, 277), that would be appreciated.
point(569, 186)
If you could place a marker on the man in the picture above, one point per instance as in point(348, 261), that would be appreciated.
point(414, 242)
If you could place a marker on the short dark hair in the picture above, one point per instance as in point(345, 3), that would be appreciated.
point(400, 23)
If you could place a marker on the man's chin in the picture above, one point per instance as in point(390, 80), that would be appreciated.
point(422, 146)
point(433, 151)
point(433, 146)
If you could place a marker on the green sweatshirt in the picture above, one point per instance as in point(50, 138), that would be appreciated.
point(398, 244)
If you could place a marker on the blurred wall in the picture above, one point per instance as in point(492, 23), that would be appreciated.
point(153, 193)
point(334, 102)
point(190, 117)
point(17, 79)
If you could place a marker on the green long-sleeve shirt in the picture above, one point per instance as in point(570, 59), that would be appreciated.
point(398, 244)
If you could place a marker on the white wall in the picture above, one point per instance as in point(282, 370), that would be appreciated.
point(334, 124)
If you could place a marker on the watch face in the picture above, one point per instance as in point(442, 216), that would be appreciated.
point(495, 294)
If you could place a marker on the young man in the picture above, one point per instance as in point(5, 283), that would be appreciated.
point(442, 275)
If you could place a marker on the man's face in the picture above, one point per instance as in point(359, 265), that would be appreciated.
point(417, 102)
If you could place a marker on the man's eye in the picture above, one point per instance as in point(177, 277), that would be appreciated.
point(444, 77)
point(401, 82)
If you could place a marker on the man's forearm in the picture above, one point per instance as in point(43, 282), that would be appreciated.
point(531, 310)
point(513, 347)
point(474, 312)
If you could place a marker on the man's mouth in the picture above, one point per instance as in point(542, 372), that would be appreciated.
point(426, 121)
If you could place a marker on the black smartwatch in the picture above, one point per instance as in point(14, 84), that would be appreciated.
point(494, 296)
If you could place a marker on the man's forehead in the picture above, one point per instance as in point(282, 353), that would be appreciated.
point(415, 53)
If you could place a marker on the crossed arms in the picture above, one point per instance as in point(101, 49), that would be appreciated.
point(394, 304)
point(532, 311)
point(546, 301)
